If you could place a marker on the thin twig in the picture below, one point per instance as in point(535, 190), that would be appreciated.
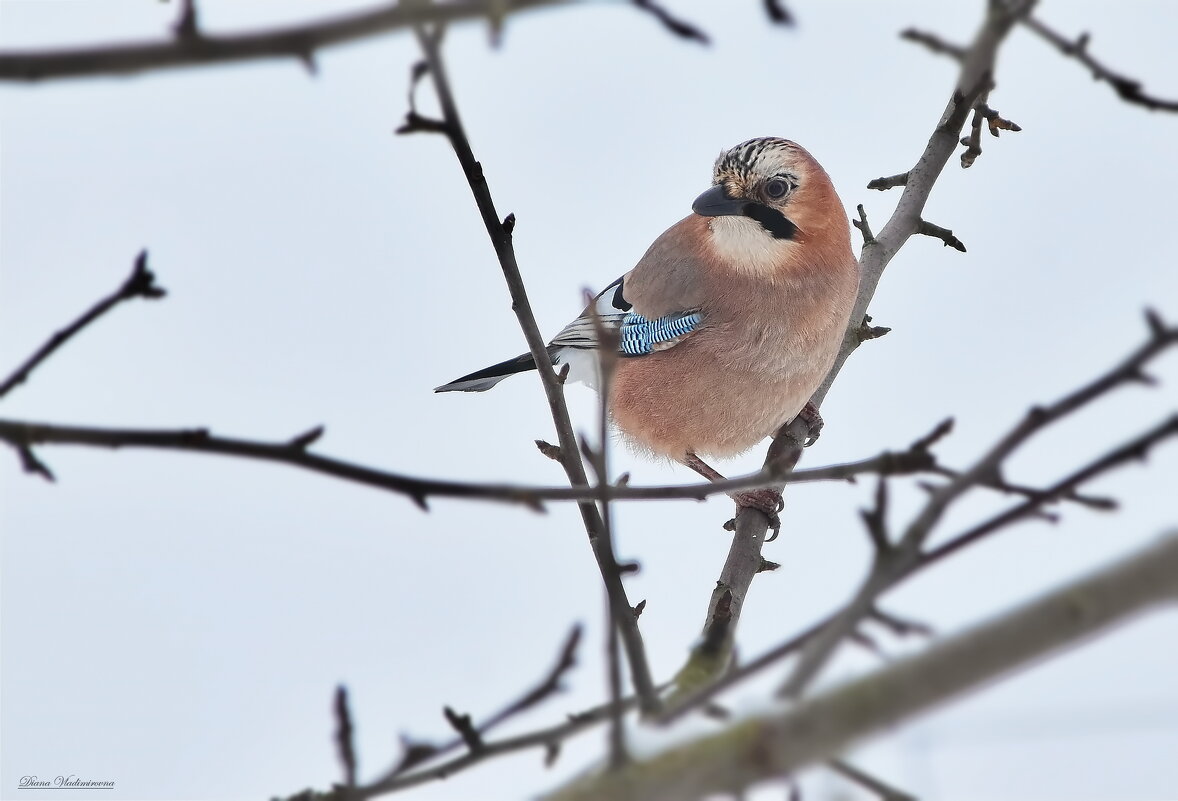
point(934, 43)
point(1128, 89)
point(885, 791)
point(140, 284)
point(901, 560)
point(676, 26)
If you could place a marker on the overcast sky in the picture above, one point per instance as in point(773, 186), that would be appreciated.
point(177, 623)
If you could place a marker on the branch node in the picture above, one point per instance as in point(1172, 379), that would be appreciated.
point(639, 608)
point(509, 223)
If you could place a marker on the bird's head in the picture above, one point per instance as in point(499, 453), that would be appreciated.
point(769, 196)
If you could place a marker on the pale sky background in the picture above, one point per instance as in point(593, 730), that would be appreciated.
point(177, 623)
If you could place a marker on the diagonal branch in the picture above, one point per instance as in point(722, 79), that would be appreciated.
point(140, 284)
point(294, 41)
point(977, 65)
point(1128, 89)
point(570, 459)
point(899, 562)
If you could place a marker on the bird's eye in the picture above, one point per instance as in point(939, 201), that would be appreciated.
point(776, 189)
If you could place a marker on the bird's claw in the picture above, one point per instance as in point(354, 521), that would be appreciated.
point(813, 420)
point(766, 501)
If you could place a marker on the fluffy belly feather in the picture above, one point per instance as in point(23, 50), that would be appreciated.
point(671, 403)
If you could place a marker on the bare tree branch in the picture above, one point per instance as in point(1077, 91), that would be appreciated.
point(826, 725)
point(1128, 89)
point(574, 468)
point(294, 452)
point(899, 561)
point(196, 48)
point(140, 284)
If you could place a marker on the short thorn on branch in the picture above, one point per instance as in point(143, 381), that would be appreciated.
point(680, 28)
point(548, 449)
point(306, 439)
point(778, 13)
point(185, 27)
point(934, 43)
point(31, 464)
point(926, 228)
point(888, 183)
point(343, 735)
point(462, 724)
point(864, 228)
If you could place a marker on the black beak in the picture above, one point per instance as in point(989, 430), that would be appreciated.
point(716, 202)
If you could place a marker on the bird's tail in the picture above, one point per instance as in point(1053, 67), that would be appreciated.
point(482, 380)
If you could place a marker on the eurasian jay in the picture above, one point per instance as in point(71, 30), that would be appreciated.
point(731, 319)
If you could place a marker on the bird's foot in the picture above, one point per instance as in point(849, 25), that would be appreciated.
point(766, 501)
point(813, 420)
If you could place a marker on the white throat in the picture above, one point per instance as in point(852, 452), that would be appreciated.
point(743, 245)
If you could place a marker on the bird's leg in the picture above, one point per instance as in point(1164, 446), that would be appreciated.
point(764, 500)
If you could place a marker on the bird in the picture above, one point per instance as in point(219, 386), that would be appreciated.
point(729, 322)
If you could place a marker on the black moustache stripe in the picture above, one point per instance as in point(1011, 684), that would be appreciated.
point(772, 220)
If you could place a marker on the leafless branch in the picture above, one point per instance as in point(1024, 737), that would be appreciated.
point(570, 459)
point(294, 452)
point(343, 735)
point(194, 48)
point(907, 555)
point(817, 728)
point(934, 43)
point(1128, 89)
point(140, 284)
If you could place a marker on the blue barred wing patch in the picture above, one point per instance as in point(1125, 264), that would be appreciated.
point(640, 336)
